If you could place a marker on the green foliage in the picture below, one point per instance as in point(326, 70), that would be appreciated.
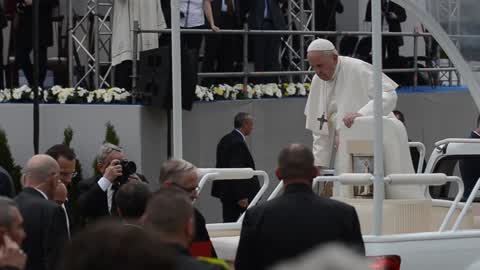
point(7, 162)
point(73, 189)
point(110, 137)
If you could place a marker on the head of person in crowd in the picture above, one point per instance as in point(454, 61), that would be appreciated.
point(296, 165)
point(181, 174)
point(107, 153)
point(42, 173)
point(66, 159)
point(61, 194)
point(323, 58)
point(131, 200)
point(399, 115)
point(11, 222)
point(244, 123)
point(112, 245)
point(170, 213)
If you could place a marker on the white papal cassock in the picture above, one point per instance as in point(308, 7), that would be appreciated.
point(148, 13)
point(350, 90)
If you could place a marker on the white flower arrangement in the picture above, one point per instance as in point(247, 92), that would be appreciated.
point(58, 94)
point(62, 95)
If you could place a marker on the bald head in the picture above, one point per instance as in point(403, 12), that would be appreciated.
point(296, 162)
point(61, 194)
point(42, 172)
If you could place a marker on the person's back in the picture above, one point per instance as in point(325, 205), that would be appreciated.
point(296, 222)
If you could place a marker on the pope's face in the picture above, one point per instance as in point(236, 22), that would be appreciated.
point(323, 64)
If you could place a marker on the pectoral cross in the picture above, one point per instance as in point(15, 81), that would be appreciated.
point(322, 121)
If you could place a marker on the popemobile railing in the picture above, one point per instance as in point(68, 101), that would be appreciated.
point(245, 32)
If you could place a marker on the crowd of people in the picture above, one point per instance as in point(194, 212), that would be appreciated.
point(129, 225)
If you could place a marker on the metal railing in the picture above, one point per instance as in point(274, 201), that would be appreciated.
point(245, 32)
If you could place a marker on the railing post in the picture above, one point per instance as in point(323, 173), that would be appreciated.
point(415, 60)
point(136, 29)
point(245, 55)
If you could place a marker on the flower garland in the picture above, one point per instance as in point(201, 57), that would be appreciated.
point(238, 91)
point(61, 95)
point(115, 95)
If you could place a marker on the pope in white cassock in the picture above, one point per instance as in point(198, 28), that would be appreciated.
point(341, 91)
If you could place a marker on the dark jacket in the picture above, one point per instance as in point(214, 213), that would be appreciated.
point(326, 14)
point(232, 152)
point(23, 32)
point(292, 224)
point(201, 244)
point(45, 227)
point(255, 10)
point(7, 188)
point(393, 24)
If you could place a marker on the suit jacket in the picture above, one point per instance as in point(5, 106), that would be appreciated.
point(201, 244)
point(217, 11)
point(256, 8)
point(232, 152)
point(292, 224)
point(24, 29)
point(393, 24)
point(93, 201)
point(7, 188)
point(45, 227)
point(325, 14)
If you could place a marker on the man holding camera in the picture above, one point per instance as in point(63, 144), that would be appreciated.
point(97, 193)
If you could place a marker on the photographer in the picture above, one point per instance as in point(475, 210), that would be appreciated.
point(97, 193)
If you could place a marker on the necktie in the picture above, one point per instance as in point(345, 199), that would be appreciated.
point(230, 8)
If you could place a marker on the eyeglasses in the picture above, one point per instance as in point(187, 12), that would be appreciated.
point(67, 174)
point(193, 190)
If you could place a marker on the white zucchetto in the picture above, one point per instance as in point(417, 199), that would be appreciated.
point(321, 44)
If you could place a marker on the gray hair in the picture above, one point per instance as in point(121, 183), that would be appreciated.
point(240, 119)
point(105, 150)
point(175, 169)
point(6, 213)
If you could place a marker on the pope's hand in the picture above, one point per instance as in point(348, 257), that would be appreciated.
point(350, 118)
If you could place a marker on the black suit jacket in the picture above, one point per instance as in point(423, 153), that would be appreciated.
point(217, 11)
point(46, 229)
point(255, 10)
point(92, 202)
point(7, 188)
point(292, 224)
point(24, 29)
point(326, 14)
point(393, 24)
point(232, 152)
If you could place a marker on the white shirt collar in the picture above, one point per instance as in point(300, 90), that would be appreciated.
point(243, 136)
point(41, 192)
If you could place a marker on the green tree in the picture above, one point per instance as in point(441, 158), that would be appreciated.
point(73, 189)
point(7, 162)
point(110, 137)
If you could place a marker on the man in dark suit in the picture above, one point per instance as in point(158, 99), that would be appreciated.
point(97, 193)
point(232, 152)
point(66, 159)
point(222, 51)
point(392, 14)
point(23, 36)
point(44, 220)
point(265, 15)
point(170, 213)
point(297, 221)
point(179, 173)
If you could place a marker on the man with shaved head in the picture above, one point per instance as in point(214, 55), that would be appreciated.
point(297, 221)
point(342, 90)
point(44, 220)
